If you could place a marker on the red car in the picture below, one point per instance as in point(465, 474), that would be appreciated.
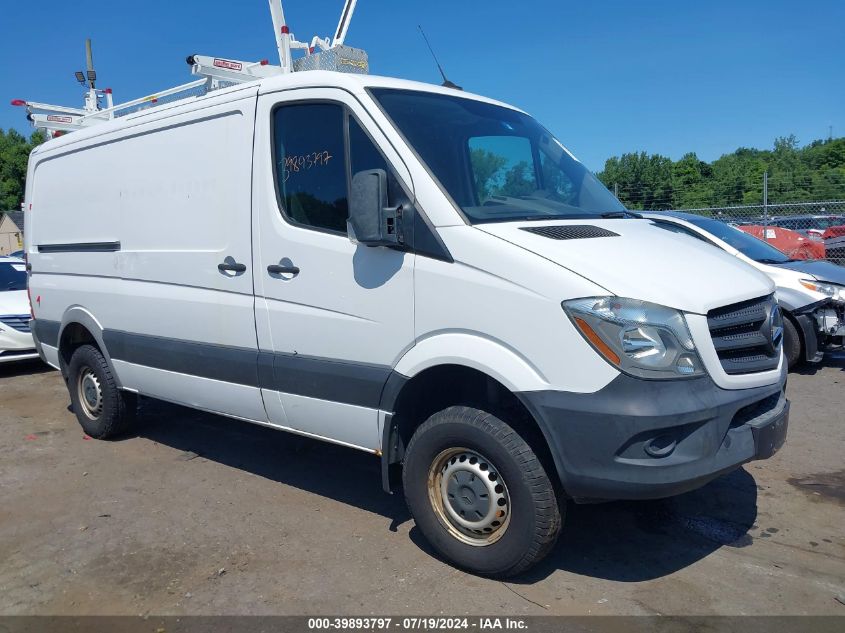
point(833, 231)
point(834, 243)
point(789, 242)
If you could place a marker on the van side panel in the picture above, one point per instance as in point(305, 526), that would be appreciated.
point(132, 225)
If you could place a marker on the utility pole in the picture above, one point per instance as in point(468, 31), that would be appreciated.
point(89, 60)
point(616, 189)
point(765, 200)
point(88, 79)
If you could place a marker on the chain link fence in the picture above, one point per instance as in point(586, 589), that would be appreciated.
point(801, 230)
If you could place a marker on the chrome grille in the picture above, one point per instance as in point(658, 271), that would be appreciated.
point(20, 322)
point(743, 336)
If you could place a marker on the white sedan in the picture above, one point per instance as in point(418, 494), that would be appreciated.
point(811, 293)
point(15, 338)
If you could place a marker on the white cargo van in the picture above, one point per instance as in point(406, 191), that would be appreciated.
point(410, 270)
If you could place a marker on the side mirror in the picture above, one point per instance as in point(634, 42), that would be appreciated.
point(371, 221)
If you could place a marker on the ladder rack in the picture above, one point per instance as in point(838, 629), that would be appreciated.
point(214, 73)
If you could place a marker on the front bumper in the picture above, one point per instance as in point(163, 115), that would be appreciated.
point(15, 345)
point(822, 327)
point(830, 320)
point(10, 356)
point(640, 439)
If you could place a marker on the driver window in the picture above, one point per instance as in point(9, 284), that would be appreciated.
point(363, 155)
point(313, 167)
point(502, 166)
point(311, 164)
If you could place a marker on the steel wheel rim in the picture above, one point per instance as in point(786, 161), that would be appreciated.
point(469, 496)
point(90, 393)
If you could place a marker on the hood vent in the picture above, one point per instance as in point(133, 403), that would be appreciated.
point(570, 231)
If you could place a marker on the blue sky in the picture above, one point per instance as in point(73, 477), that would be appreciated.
point(606, 77)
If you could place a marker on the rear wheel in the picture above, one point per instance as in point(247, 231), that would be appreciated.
point(479, 494)
point(792, 349)
point(102, 409)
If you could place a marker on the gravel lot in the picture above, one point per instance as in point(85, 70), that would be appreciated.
point(198, 514)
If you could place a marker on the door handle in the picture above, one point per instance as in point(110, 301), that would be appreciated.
point(277, 269)
point(235, 267)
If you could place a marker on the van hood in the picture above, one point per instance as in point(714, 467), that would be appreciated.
point(642, 261)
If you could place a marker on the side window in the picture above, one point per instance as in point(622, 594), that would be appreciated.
point(310, 163)
point(363, 155)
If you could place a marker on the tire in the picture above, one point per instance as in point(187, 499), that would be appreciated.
point(105, 411)
point(438, 469)
point(792, 348)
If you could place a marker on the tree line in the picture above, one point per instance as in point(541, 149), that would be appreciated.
point(795, 174)
point(14, 153)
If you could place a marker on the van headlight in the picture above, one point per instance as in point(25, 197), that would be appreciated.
point(834, 291)
point(642, 339)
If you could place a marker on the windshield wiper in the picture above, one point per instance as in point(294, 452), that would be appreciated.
point(766, 260)
point(609, 215)
point(543, 218)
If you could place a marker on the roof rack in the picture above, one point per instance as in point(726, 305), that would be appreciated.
point(214, 73)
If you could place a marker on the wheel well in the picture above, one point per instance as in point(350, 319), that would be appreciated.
point(437, 388)
point(73, 336)
point(798, 329)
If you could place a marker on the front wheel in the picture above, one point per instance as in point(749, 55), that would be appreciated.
point(792, 349)
point(479, 494)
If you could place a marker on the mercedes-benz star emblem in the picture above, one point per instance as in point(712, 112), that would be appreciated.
point(776, 326)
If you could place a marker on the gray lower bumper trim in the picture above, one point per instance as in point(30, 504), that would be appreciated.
point(639, 439)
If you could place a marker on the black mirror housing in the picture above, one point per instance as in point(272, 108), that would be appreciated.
point(371, 221)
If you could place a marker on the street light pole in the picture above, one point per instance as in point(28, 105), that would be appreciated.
point(766, 199)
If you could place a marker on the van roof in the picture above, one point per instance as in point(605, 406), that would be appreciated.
point(324, 78)
point(354, 83)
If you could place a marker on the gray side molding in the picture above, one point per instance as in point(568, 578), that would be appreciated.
point(80, 247)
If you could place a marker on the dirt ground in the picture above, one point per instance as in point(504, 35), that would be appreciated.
point(198, 514)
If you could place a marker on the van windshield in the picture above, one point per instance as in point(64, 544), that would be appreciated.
point(495, 163)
